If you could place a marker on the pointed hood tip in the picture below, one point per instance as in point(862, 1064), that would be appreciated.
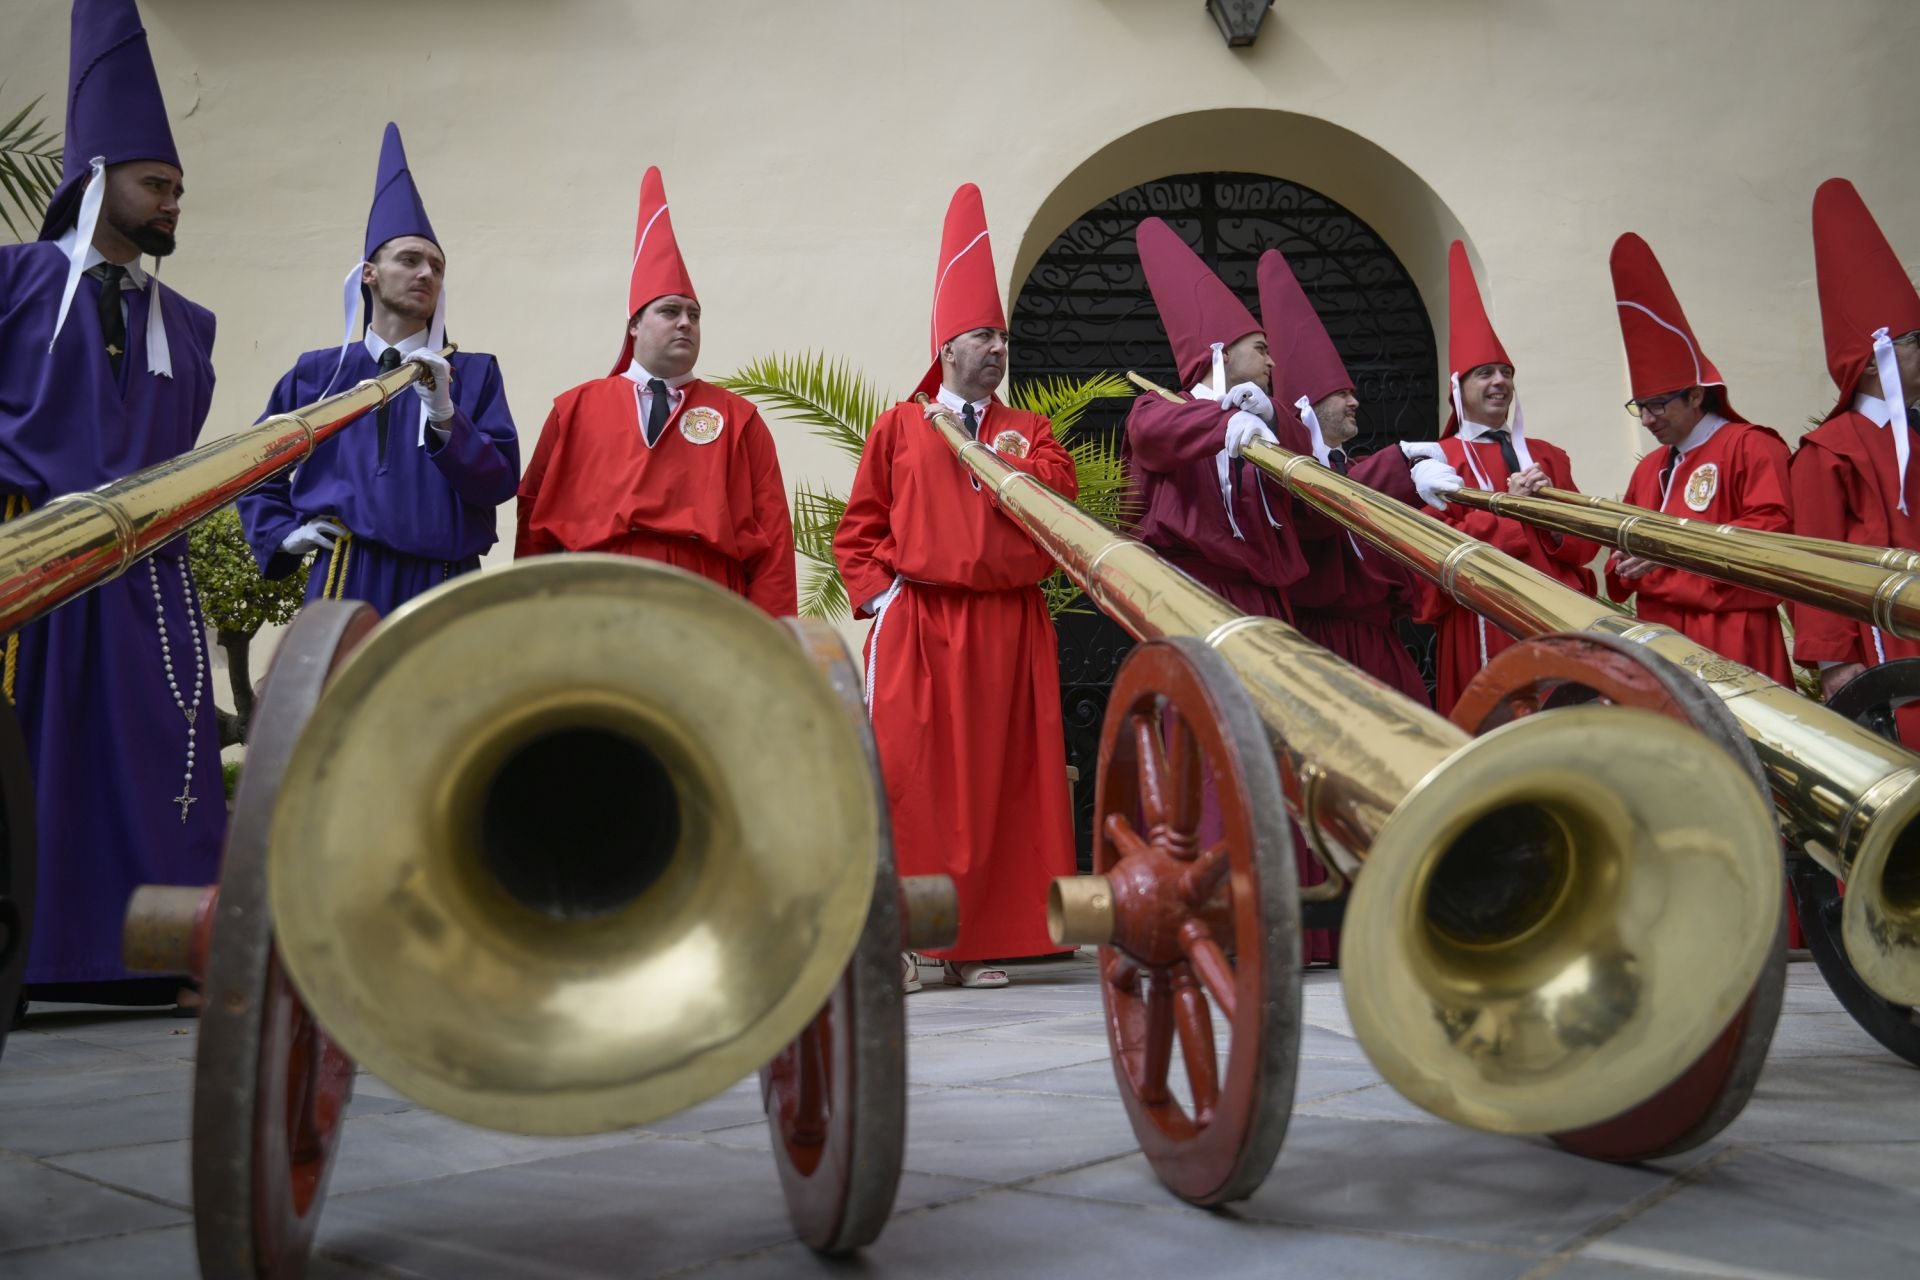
point(1196, 306)
point(1306, 364)
point(1471, 340)
point(114, 106)
point(657, 268)
point(397, 208)
point(966, 287)
point(1863, 284)
point(1663, 355)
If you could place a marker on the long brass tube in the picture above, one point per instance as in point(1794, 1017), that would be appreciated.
point(1833, 549)
point(1541, 1025)
point(1883, 597)
point(1850, 798)
point(78, 541)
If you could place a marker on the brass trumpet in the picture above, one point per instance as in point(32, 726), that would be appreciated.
point(1883, 591)
point(1527, 968)
point(1845, 795)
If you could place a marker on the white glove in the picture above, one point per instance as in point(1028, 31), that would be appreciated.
point(1243, 428)
point(1246, 395)
point(1413, 450)
point(1432, 479)
point(314, 535)
point(439, 395)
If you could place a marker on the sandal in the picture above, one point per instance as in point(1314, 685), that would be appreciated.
point(909, 973)
point(973, 973)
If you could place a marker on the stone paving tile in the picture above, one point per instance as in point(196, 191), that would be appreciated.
point(999, 1137)
point(42, 1206)
point(1015, 1233)
point(163, 1254)
point(1871, 1099)
point(1825, 1033)
point(620, 1212)
point(1759, 1213)
point(29, 1054)
point(965, 1060)
point(1891, 1164)
point(125, 1076)
point(1373, 1102)
point(1438, 1182)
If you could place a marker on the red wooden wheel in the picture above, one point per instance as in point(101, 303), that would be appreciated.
point(1558, 670)
point(1194, 839)
point(270, 1089)
point(836, 1096)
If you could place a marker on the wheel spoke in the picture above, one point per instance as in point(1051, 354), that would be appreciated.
point(1211, 965)
point(1183, 771)
point(1155, 780)
point(1159, 1046)
point(1124, 837)
point(1196, 1043)
point(1200, 881)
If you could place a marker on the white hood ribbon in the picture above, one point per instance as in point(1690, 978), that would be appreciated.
point(1518, 434)
point(1896, 397)
point(159, 353)
point(1304, 408)
point(1219, 370)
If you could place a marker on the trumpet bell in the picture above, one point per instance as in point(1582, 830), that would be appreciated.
point(572, 845)
point(1553, 954)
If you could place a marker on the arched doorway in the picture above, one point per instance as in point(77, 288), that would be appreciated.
point(1084, 308)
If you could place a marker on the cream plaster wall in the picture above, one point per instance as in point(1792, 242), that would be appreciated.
point(810, 148)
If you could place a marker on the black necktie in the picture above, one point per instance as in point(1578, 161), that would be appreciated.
point(113, 325)
point(1337, 459)
point(973, 423)
point(656, 410)
point(1666, 472)
point(1505, 440)
point(389, 361)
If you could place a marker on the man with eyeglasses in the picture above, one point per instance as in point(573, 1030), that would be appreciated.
point(1712, 465)
point(1850, 476)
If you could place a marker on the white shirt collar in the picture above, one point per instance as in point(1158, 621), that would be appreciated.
point(136, 274)
point(641, 377)
point(377, 345)
point(1702, 432)
point(1873, 407)
point(1474, 431)
point(951, 399)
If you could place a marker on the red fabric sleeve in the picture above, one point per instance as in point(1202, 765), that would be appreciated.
point(863, 544)
point(526, 542)
point(1166, 437)
point(1048, 461)
point(1565, 548)
point(1818, 478)
point(771, 581)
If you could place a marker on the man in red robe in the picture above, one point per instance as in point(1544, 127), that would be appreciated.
point(963, 679)
point(1197, 502)
point(1491, 454)
point(651, 461)
point(1349, 601)
point(1850, 475)
point(1714, 466)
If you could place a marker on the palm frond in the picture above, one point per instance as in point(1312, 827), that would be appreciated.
point(823, 594)
point(816, 515)
point(29, 169)
point(1064, 399)
point(1105, 493)
point(830, 397)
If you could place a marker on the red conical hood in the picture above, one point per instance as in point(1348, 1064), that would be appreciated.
point(657, 268)
point(1471, 341)
point(1195, 305)
point(966, 292)
point(1305, 363)
point(1863, 286)
point(1662, 353)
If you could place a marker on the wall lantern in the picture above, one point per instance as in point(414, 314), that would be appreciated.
point(1239, 20)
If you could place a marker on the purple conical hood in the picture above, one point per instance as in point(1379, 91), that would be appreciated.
point(114, 107)
point(397, 210)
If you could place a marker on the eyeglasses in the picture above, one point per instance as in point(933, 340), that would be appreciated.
point(1908, 339)
point(1657, 405)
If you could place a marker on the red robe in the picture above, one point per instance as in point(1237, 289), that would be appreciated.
point(963, 678)
point(1747, 486)
point(709, 502)
point(1845, 488)
point(1464, 641)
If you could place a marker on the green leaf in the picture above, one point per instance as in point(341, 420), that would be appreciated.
point(831, 397)
point(1063, 400)
point(233, 595)
point(29, 169)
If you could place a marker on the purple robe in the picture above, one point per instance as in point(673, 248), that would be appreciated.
point(105, 732)
point(419, 516)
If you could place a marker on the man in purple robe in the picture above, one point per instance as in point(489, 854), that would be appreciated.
point(103, 371)
point(403, 499)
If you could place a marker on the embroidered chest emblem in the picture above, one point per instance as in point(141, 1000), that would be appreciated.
point(1702, 485)
point(701, 425)
point(1012, 444)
